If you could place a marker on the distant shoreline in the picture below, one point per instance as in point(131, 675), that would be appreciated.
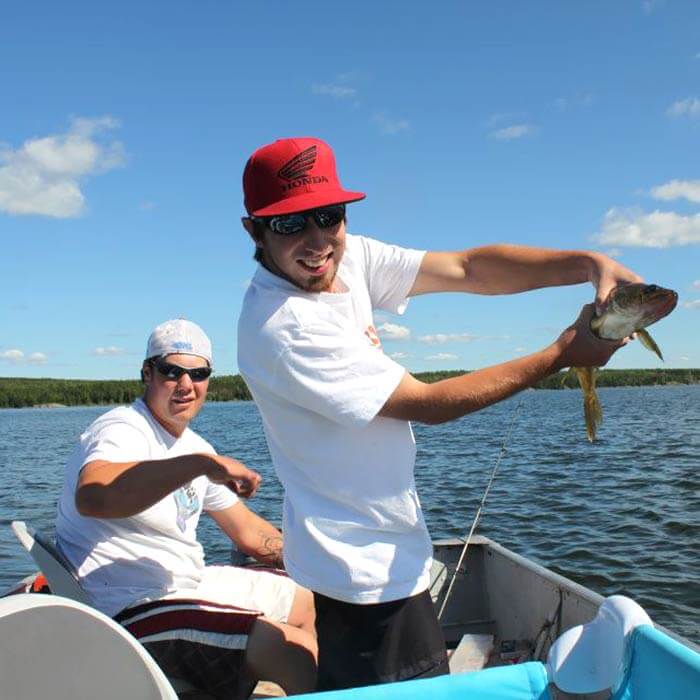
point(22, 392)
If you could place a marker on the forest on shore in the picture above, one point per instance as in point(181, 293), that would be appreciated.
point(25, 392)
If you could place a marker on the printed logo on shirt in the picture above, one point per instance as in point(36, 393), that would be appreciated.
point(371, 333)
point(187, 504)
point(296, 170)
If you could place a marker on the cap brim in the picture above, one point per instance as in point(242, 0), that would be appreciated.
point(309, 200)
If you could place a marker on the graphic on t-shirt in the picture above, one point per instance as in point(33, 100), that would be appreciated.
point(371, 333)
point(187, 504)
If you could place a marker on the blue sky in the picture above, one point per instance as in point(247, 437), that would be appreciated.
point(125, 126)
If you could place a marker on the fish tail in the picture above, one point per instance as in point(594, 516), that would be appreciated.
point(592, 410)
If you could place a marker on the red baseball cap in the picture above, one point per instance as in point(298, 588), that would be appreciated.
point(292, 175)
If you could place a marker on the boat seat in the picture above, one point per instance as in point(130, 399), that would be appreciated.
point(58, 648)
point(621, 650)
point(63, 580)
point(59, 574)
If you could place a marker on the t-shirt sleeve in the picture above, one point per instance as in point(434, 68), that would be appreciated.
point(218, 497)
point(390, 273)
point(116, 442)
point(336, 374)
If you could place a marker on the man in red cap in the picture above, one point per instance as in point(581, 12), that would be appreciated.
point(336, 409)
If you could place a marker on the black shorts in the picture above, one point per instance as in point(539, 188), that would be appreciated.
point(379, 643)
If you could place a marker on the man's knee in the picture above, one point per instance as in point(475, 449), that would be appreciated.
point(284, 654)
point(302, 614)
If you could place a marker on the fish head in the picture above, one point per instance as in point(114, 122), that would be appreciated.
point(632, 307)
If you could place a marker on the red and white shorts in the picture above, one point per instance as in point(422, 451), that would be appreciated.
point(200, 635)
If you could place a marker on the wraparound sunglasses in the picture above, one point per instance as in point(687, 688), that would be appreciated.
point(171, 371)
point(289, 224)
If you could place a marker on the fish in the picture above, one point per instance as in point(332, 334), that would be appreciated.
point(629, 309)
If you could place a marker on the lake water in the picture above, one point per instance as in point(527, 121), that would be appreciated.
point(618, 516)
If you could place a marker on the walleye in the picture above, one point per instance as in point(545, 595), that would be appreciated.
point(630, 309)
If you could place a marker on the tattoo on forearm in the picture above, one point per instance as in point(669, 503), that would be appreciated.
point(270, 549)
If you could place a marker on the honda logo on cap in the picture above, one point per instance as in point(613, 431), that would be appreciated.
point(299, 165)
point(295, 171)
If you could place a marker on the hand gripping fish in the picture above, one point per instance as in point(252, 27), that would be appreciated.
point(630, 309)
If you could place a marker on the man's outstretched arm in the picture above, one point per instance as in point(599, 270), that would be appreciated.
point(452, 398)
point(507, 269)
point(122, 489)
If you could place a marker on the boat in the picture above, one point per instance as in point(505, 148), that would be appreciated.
point(508, 622)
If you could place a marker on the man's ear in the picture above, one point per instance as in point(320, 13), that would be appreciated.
point(146, 373)
point(249, 226)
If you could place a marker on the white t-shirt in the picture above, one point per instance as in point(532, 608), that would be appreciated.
point(121, 561)
point(353, 525)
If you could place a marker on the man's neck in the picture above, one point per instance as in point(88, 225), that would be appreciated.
point(170, 427)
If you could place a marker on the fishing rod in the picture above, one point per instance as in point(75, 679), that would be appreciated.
point(481, 505)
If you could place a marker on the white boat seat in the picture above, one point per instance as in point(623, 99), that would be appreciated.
point(61, 577)
point(58, 648)
point(59, 574)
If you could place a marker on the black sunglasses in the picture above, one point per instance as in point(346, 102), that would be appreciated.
point(289, 224)
point(171, 371)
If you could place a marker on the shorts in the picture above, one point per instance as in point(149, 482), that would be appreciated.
point(379, 643)
point(200, 635)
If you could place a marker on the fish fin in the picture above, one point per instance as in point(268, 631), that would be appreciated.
point(592, 411)
point(649, 343)
point(569, 373)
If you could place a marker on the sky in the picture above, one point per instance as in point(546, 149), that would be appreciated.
point(124, 129)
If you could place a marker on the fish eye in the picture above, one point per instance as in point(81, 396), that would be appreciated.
point(651, 288)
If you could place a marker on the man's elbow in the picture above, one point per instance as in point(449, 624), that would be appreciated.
point(90, 501)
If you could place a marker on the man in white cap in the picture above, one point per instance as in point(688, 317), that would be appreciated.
point(133, 492)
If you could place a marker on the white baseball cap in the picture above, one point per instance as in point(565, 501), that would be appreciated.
point(178, 337)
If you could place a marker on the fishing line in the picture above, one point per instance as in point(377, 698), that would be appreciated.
point(481, 505)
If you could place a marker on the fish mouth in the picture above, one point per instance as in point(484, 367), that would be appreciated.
point(663, 304)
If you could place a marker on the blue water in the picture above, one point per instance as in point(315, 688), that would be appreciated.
point(618, 516)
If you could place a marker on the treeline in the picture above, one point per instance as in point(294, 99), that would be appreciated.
point(606, 377)
point(21, 392)
point(18, 393)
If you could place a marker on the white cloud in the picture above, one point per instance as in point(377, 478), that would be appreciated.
point(388, 125)
point(657, 229)
point(147, 206)
point(17, 357)
point(398, 355)
point(14, 356)
point(689, 107)
point(44, 175)
point(695, 304)
point(678, 189)
point(517, 131)
point(36, 358)
point(338, 92)
point(109, 351)
point(441, 338)
point(648, 6)
point(392, 331)
point(696, 284)
point(442, 356)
